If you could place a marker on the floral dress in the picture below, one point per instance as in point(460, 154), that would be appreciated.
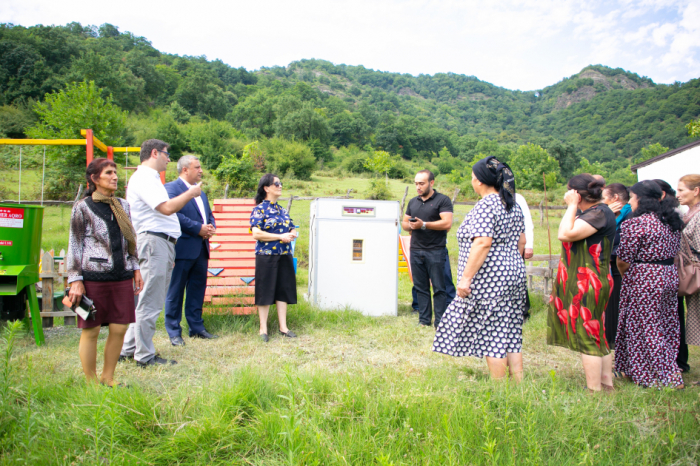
point(648, 332)
point(489, 322)
point(576, 316)
point(690, 241)
point(271, 218)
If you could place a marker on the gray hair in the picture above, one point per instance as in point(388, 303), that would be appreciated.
point(185, 162)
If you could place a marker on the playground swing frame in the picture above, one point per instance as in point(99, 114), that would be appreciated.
point(90, 142)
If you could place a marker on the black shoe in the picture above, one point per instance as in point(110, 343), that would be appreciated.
point(177, 341)
point(124, 358)
point(264, 337)
point(156, 360)
point(414, 311)
point(204, 334)
point(289, 334)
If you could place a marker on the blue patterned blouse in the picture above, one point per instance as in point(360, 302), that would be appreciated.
point(271, 218)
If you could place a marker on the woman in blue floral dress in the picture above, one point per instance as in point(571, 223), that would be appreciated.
point(275, 281)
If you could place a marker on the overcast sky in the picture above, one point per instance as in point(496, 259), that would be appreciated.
point(516, 44)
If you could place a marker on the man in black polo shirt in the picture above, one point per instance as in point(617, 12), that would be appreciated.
point(432, 212)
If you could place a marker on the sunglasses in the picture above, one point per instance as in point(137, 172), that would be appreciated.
point(278, 184)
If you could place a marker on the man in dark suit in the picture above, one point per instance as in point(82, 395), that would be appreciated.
point(191, 255)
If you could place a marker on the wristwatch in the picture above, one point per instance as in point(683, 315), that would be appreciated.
point(423, 227)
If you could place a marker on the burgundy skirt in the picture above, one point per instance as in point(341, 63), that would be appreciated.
point(114, 302)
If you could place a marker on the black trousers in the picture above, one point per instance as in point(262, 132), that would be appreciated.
point(682, 359)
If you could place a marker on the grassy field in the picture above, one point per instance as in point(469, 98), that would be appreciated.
point(351, 390)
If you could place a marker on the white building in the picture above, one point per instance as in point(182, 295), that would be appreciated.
point(671, 166)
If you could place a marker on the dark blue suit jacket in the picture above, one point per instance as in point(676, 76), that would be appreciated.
point(189, 244)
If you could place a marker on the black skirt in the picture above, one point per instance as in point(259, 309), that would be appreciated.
point(275, 280)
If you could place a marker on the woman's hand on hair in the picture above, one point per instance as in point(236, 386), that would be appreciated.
point(616, 206)
point(77, 290)
point(572, 197)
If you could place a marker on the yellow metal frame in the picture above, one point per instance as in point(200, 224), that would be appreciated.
point(66, 142)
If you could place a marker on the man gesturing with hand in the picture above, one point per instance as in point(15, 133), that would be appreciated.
point(191, 255)
point(157, 231)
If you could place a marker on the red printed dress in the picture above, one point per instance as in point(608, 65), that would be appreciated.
point(576, 317)
point(648, 331)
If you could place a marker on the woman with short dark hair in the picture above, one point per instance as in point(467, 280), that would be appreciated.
point(275, 281)
point(102, 263)
point(648, 332)
point(582, 287)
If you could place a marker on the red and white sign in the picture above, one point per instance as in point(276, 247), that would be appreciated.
point(5, 243)
point(11, 217)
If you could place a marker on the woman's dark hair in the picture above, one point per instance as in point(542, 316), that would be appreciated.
point(619, 190)
point(95, 169)
point(589, 187)
point(649, 202)
point(670, 197)
point(268, 179)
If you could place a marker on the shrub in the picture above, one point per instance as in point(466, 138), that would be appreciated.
point(356, 163)
point(282, 155)
point(378, 190)
point(211, 140)
point(239, 173)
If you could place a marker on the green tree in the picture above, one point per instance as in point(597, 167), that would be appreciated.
point(239, 173)
point(211, 140)
point(380, 162)
point(528, 164)
point(290, 159)
point(61, 116)
point(650, 151)
point(693, 128)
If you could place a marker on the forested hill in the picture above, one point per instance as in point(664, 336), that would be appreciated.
point(604, 114)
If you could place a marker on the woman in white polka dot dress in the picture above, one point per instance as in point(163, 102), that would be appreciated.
point(486, 317)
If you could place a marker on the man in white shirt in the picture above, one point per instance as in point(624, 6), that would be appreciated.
point(191, 256)
point(529, 241)
point(157, 229)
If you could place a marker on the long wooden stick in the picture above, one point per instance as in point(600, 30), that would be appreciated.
point(546, 208)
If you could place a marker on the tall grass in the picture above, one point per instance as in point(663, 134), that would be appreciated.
point(252, 406)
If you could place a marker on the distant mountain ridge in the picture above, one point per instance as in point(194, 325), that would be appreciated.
point(606, 115)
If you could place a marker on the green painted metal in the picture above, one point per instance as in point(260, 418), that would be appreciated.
point(20, 246)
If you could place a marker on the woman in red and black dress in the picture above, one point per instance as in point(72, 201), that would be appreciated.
point(648, 332)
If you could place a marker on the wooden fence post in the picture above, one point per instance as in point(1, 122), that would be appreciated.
point(453, 197)
point(289, 204)
point(541, 212)
point(403, 201)
point(67, 320)
point(47, 288)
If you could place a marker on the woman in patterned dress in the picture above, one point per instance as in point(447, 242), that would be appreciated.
point(689, 195)
point(486, 318)
point(275, 281)
point(576, 318)
point(648, 332)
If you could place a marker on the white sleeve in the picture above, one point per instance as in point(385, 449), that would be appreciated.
point(529, 226)
point(151, 192)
